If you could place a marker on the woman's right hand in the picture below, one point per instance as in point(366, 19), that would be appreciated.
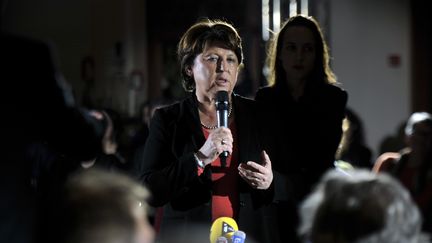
point(219, 140)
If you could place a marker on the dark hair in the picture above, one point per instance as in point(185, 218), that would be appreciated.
point(321, 71)
point(195, 39)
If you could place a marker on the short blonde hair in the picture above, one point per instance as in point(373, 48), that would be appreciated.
point(99, 206)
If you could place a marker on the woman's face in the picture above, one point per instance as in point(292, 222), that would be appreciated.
point(215, 69)
point(298, 53)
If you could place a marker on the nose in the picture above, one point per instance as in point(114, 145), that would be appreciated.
point(220, 66)
point(300, 54)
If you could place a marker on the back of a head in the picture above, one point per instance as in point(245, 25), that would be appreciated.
point(361, 207)
point(30, 75)
point(102, 206)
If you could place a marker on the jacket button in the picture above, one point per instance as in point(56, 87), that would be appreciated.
point(242, 204)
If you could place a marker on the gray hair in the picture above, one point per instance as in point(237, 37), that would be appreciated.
point(416, 118)
point(360, 207)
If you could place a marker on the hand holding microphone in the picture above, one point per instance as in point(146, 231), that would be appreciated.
point(220, 140)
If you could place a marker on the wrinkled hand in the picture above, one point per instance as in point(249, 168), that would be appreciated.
point(256, 175)
point(219, 140)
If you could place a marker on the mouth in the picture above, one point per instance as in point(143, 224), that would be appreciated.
point(298, 67)
point(221, 81)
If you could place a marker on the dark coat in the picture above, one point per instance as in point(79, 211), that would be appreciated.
point(169, 170)
point(302, 136)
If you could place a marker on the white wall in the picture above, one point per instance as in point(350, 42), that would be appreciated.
point(363, 33)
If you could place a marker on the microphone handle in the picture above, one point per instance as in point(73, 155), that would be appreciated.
point(223, 122)
point(223, 157)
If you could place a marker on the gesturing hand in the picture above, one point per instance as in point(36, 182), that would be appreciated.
point(256, 175)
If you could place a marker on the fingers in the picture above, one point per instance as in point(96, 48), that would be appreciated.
point(222, 140)
point(256, 175)
point(252, 169)
point(266, 160)
point(218, 141)
point(258, 182)
point(255, 178)
point(224, 145)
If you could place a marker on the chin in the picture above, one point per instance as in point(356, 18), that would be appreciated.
point(227, 89)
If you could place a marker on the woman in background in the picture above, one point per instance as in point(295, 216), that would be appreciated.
point(303, 109)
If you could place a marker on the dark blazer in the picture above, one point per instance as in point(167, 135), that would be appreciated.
point(169, 170)
point(302, 136)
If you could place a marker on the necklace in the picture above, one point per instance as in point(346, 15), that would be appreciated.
point(215, 126)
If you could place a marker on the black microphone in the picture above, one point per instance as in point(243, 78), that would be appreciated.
point(222, 106)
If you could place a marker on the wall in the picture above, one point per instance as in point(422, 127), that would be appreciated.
point(58, 23)
point(112, 32)
point(363, 36)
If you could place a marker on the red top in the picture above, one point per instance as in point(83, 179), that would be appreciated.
point(225, 196)
point(387, 162)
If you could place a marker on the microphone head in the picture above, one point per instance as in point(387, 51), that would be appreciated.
point(222, 100)
point(223, 226)
point(238, 237)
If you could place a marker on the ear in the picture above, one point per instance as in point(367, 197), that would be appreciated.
point(189, 71)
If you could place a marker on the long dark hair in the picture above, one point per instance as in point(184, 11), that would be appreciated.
point(321, 71)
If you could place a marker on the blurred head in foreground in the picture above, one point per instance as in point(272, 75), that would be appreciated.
point(360, 207)
point(105, 207)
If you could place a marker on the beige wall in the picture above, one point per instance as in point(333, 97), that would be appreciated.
point(80, 28)
point(364, 34)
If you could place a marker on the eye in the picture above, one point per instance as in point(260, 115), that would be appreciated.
point(212, 58)
point(232, 60)
point(290, 47)
point(308, 48)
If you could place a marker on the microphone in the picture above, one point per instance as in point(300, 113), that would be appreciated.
point(222, 226)
point(222, 239)
point(238, 237)
point(222, 106)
